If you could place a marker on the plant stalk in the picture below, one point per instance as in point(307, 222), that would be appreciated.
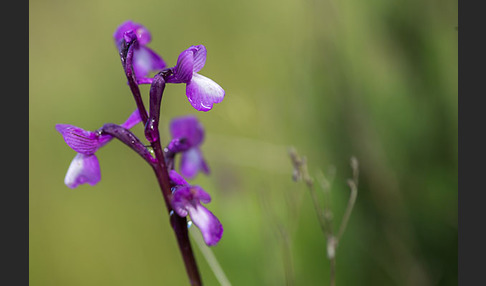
point(179, 224)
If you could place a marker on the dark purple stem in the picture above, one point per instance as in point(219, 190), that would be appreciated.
point(126, 55)
point(156, 90)
point(179, 224)
point(127, 137)
point(175, 146)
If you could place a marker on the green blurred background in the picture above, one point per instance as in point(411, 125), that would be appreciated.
point(372, 79)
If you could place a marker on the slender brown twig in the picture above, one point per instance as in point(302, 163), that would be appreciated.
point(324, 214)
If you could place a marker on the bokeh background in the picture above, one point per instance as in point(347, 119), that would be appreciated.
point(372, 79)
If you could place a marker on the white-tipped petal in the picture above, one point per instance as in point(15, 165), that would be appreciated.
point(83, 169)
point(203, 92)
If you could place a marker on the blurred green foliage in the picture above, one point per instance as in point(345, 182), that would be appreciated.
point(372, 79)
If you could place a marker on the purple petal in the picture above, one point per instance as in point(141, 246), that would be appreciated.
point(146, 61)
point(177, 179)
point(199, 57)
point(132, 120)
point(181, 199)
point(120, 31)
point(182, 212)
point(187, 127)
point(83, 169)
point(80, 140)
point(177, 145)
point(192, 162)
point(200, 195)
point(183, 69)
point(204, 167)
point(208, 223)
point(143, 35)
point(203, 92)
point(185, 196)
point(104, 139)
point(145, 80)
point(130, 37)
point(187, 199)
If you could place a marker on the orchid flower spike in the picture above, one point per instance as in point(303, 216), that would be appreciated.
point(201, 91)
point(85, 167)
point(188, 129)
point(186, 199)
point(145, 60)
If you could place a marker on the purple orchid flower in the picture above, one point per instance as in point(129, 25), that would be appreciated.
point(183, 201)
point(201, 91)
point(186, 199)
point(85, 167)
point(145, 60)
point(188, 129)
